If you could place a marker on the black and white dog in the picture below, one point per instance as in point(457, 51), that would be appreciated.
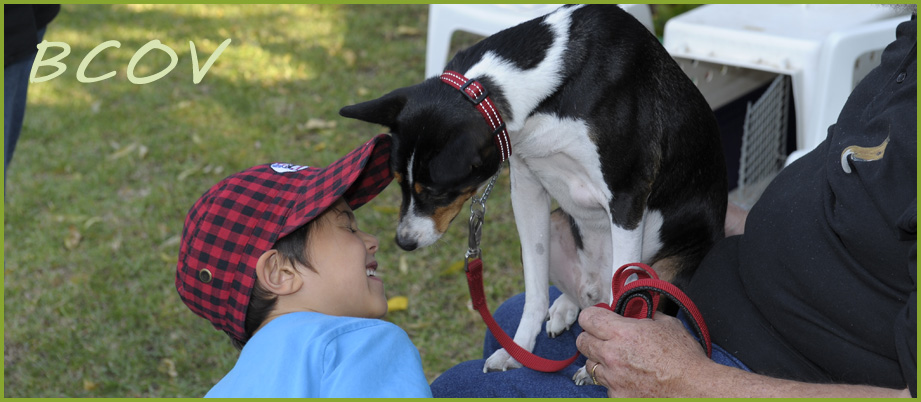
point(602, 120)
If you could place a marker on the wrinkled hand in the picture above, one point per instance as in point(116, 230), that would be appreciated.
point(640, 358)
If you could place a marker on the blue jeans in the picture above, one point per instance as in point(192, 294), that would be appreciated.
point(468, 380)
point(15, 87)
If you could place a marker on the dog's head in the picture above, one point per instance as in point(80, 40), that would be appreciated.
point(443, 150)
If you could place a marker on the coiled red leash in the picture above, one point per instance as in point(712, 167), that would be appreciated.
point(640, 299)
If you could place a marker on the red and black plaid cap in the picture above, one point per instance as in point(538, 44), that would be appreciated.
point(240, 218)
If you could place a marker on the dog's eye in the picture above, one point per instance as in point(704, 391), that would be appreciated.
point(420, 188)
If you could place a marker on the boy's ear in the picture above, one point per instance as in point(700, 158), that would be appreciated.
point(277, 274)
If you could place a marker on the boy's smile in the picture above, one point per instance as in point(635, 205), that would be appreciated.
point(372, 270)
point(345, 281)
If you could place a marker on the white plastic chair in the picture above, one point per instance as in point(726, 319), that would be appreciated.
point(816, 45)
point(487, 19)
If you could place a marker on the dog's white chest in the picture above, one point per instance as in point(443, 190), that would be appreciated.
point(562, 156)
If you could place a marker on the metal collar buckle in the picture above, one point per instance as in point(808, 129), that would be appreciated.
point(478, 99)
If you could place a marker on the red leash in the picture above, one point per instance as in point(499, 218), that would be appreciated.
point(473, 266)
point(640, 299)
point(477, 94)
point(530, 360)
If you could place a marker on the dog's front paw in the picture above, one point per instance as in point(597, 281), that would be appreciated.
point(500, 361)
point(563, 313)
point(582, 377)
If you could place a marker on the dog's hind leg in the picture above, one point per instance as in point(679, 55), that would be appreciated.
point(565, 271)
point(627, 247)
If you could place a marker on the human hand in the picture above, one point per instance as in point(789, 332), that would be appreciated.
point(639, 357)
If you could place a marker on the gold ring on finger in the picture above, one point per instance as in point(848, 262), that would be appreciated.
point(594, 381)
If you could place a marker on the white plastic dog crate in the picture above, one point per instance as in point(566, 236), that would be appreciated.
point(487, 19)
point(824, 49)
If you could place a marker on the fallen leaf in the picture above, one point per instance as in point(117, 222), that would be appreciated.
point(454, 268)
point(168, 258)
point(171, 241)
point(116, 244)
point(91, 221)
point(417, 325)
point(404, 266)
point(123, 151)
point(318, 124)
point(73, 238)
point(404, 30)
point(387, 209)
point(186, 173)
point(397, 303)
point(349, 57)
point(90, 385)
point(169, 367)
point(79, 279)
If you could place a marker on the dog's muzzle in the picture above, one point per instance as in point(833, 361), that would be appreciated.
point(415, 232)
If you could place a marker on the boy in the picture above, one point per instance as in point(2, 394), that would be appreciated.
point(273, 257)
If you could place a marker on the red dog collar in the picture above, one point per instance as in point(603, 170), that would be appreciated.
point(479, 96)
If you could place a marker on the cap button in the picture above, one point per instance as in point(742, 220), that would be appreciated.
point(205, 276)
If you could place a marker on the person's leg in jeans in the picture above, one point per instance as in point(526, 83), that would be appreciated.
point(468, 380)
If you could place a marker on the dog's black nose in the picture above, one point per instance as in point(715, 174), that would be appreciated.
point(406, 245)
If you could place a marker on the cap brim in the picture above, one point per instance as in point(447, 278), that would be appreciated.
point(375, 174)
point(358, 177)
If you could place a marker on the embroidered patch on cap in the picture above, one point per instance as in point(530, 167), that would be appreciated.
point(287, 167)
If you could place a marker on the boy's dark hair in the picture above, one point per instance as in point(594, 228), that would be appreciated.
point(292, 248)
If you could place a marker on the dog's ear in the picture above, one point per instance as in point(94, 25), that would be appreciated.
point(383, 110)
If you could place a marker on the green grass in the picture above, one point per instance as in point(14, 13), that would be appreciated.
point(105, 173)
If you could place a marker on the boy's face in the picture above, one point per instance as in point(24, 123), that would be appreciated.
point(344, 283)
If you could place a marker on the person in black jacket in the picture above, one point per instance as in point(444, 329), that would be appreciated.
point(23, 28)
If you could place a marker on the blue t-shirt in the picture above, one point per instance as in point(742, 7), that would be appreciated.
point(312, 355)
